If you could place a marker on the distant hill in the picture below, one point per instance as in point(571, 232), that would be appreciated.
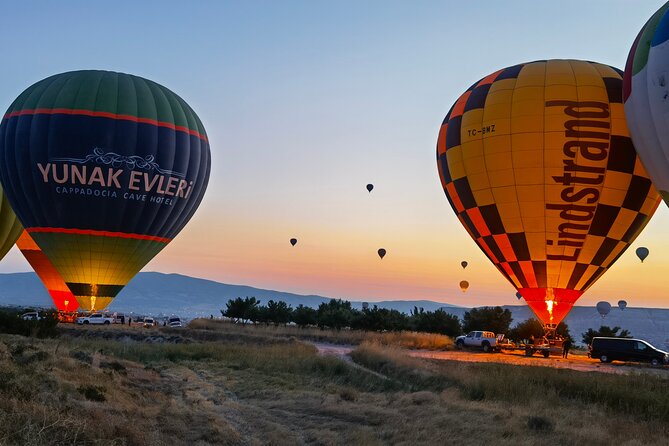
point(162, 294)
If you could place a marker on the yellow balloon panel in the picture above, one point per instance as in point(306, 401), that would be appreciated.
point(537, 162)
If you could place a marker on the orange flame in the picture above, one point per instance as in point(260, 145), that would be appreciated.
point(550, 302)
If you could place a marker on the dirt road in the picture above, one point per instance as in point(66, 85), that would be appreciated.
point(574, 362)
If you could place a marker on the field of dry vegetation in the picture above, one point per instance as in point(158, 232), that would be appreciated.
point(217, 383)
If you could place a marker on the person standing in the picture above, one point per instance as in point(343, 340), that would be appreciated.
point(566, 345)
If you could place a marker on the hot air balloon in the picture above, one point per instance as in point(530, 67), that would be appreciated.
point(518, 296)
point(103, 170)
point(622, 304)
point(370, 187)
point(293, 241)
point(642, 253)
point(61, 295)
point(381, 252)
point(464, 285)
point(464, 264)
point(523, 155)
point(603, 308)
point(645, 94)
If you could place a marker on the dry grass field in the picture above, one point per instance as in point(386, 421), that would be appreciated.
point(224, 384)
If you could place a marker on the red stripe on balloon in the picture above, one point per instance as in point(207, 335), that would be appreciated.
point(152, 238)
point(100, 114)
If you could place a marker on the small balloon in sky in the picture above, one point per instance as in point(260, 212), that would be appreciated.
point(603, 308)
point(370, 187)
point(293, 241)
point(519, 296)
point(642, 253)
point(464, 264)
point(382, 252)
point(622, 304)
point(464, 285)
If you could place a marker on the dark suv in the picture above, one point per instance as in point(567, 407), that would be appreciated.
point(624, 349)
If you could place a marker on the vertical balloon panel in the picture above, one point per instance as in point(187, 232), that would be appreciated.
point(537, 164)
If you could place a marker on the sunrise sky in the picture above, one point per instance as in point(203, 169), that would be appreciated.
point(305, 102)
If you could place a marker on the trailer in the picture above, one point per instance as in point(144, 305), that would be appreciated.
point(544, 346)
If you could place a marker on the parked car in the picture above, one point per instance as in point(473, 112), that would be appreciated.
point(149, 322)
point(95, 319)
point(31, 316)
point(485, 340)
point(174, 321)
point(625, 349)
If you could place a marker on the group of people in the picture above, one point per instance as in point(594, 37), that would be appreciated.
point(555, 338)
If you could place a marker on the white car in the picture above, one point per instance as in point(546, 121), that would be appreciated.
point(31, 316)
point(95, 319)
point(485, 340)
point(174, 322)
point(149, 322)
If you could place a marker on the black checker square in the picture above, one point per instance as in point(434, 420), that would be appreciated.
point(614, 89)
point(453, 132)
point(469, 224)
point(443, 164)
point(603, 220)
point(518, 271)
point(464, 193)
point(494, 248)
point(579, 270)
point(510, 73)
point(492, 219)
point(622, 156)
point(477, 98)
point(539, 267)
point(604, 251)
point(637, 193)
point(519, 244)
point(634, 228)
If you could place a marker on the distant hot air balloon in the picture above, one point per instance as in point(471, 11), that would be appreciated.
point(382, 252)
point(293, 241)
point(642, 253)
point(103, 170)
point(60, 294)
point(464, 285)
point(645, 94)
point(622, 304)
point(519, 296)
point(522, 157)
point(464, 264)
point(603, 308)
point(370, 187)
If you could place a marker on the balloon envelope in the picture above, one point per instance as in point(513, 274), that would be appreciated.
point(645, 94)
point(522, 157)
point(464, 264)
point(603, 308)
point(519, 296)
point(464, 285)
point(622, 304)
point(10, 226)
point(642, 253)
point(293, 241)
point(381, 252)
point(61, 295)
point(103, 170)
point(370, 187)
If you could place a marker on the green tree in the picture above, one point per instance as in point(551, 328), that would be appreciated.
point(240, 309)
point(304, 316)
point(336, 313)
point(379, 319)
point(278, 312)
point(606, 332)
point(437, 321)
point(533, 327)
point(495, 319)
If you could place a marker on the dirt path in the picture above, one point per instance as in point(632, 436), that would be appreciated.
point(575, 362)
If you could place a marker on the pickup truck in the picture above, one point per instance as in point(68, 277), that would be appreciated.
point(96, 318)
point(485, 340)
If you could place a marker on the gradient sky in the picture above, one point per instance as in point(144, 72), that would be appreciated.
point(305, 102)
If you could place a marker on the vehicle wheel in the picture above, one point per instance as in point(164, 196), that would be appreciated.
point(459, 345)
point(604, 358)
point(106, 322)
point(86, 322)
point(486, 347)
point(655, 362)
point(546, 354)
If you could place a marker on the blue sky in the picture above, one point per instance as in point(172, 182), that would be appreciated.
point(305, 102)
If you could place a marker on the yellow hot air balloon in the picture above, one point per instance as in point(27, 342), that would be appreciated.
point(538, 165)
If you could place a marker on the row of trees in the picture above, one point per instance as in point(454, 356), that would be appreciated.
point(339, 313)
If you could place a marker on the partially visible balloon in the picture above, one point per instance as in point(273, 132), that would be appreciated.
point(370, 187)
point(519, 296)
point(603, 308)
point(381, 252)
point(464, 264)
point(622, 304)
point(60, 294)
point(293, 241)
point(464, 285)
point(103, 170)
point(642, 253)
point(10, 226)
point(523, 156)
point(645, 94)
